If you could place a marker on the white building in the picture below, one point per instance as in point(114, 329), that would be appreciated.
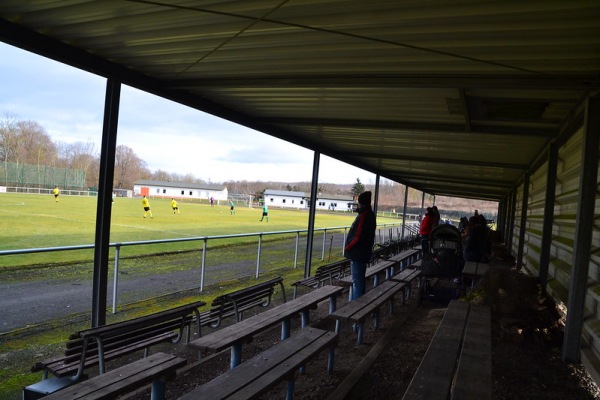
point(179, 190)
point(301, 200)
point(334, 202)
point(285, 199)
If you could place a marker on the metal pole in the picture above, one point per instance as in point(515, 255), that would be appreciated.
point(523, 224)
point(258, 255)
point(404, 209)
point(296, 251)
point(203, 268)
point(311, 214)
point(104, 202)
point(582, 245)
point(323, 246)
point(116, 278)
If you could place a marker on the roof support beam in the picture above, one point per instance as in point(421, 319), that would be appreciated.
point(398, 81)
point(406, 126)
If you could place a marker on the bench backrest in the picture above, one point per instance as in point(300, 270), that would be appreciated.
point(332, 271)
point(90, 346)
point(237, 301)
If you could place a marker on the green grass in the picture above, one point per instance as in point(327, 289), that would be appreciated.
point(37, 221)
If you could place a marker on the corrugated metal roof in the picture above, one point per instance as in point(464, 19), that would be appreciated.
point(456, 98)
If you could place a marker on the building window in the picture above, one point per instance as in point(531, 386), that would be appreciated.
point(293, 201)
point(283, 201)
point(301, 202)
point(164, 191)
point(190, 192)
point(157, 191)
point(182, 192)
point(271, 200)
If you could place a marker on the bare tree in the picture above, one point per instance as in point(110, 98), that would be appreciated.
point(8, 136)
point(128, 167)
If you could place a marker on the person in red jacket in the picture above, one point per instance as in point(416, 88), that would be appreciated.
point(359, 243)
point(427, 224)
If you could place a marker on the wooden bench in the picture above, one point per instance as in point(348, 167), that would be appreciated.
point(255, 376)
point(458, 362)
point(473, 271)
point(406, 258)
point(235, 335)
point(407, 276)
point(236, 302)
point(325, 274)
point(358, 310)
point(95, 346)
point(156, 368)
point(375, 272)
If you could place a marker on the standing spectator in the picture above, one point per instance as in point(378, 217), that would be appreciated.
point(427, 224)
point(476, 245)
point(56, 192)
point(265, 212)
point(462, 225)
point(231, 207)
point(436, 216)
point(212, 201)
point(146, 205)
point(359, 243)
point(113, 196)
point(174, 206)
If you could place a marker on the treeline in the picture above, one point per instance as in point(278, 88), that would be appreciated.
point(27, 142)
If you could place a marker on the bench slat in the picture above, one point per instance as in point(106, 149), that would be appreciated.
point(474, 375)
point(358, 309)
point(244, 330)
point(123, 379)
point(434, 376)
point(250, 379)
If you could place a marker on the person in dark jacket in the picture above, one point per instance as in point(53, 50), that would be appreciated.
point(359, 243)
point(427, 225)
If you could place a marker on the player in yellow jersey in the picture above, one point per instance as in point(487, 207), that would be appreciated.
point(56, 192)
point(174, 206)
point(146, 205)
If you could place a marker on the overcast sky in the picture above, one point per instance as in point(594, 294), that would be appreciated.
point(69, 104)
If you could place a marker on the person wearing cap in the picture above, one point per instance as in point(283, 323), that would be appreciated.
point(359, 243)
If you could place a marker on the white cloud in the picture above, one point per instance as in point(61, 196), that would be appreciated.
point(69, 104)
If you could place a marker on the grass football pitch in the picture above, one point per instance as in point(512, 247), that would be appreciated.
point(32, 221)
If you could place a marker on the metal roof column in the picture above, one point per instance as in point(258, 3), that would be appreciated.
point(104, 208)
point(500, 215)
point(376, 194)
point(511, 219)
point(311, 214)
point(548, 213)
point(404, 210)
point(588, 183)
point(523, 224)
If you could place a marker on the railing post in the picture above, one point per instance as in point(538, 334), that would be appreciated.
point(258, 255)
point(116, 278)
point(203, 268)
point(323, 246)
point(296, 251)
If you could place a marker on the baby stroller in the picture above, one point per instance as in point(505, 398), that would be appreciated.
point(443, 265)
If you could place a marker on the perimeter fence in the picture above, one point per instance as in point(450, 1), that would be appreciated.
point(68, 288)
